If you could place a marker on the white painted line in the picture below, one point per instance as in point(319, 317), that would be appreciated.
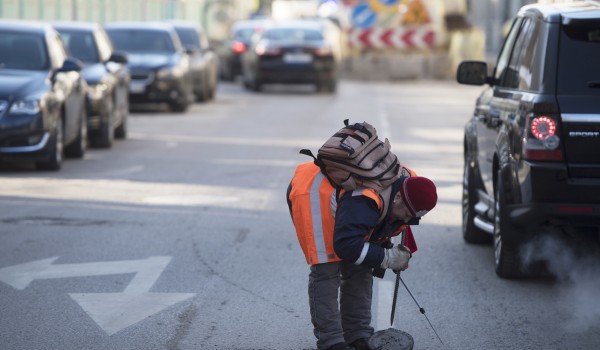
point(385, 293)
point(383, 129)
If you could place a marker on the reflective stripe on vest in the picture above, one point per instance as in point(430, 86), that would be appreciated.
point(317, 218)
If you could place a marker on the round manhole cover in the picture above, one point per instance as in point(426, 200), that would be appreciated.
point(391, 339)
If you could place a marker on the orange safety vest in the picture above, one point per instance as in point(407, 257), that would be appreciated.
point(314, 202)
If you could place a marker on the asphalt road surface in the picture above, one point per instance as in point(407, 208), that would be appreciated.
point(179, 237)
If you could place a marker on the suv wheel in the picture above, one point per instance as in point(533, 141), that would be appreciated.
point(507, 261)
point(255, 85)
point(471, 233)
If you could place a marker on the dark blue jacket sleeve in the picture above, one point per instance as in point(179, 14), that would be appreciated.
point(355, 217)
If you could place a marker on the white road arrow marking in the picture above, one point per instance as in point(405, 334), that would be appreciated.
point(116, 311)
point(111, 311)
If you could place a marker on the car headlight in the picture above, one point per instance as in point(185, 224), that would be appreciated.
point(169, 73)
point(25, 107)
point(97, 91)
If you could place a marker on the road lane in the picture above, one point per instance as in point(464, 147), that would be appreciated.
point(207, 188)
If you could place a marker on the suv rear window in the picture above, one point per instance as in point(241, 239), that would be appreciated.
point(578, 68)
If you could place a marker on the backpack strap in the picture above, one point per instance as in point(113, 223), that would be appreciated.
point(385, 198)
point(381, 198)
point(309, 153)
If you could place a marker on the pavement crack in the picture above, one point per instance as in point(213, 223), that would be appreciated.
point(54, 221)
point(185, 320)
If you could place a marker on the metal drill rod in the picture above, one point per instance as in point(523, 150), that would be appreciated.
point(395, 298)
point(422, 310)
point(402, 237)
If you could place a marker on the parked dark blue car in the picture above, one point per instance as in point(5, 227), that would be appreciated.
point(42, 97)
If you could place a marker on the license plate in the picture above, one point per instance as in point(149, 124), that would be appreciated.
point(137, 87)
point(297, 58)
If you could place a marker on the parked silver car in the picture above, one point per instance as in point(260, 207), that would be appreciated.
point(203, 60)
point(107, 76)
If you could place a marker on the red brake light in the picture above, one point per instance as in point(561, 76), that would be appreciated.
point(540, 141)
point(238, 47)
point(543, 127)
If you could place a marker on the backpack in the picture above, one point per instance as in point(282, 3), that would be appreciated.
point(355, 157)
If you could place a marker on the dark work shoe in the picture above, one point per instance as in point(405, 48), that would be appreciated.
point(360, 344)
point(338, 346)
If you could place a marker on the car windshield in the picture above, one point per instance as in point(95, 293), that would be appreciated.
point(136, 41)
point(23, 51)
point(578, 72)
point(293, 34)
point(80, 45)
point(188, 37)
point(245, 34)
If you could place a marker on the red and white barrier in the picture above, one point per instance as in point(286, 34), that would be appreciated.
point(423, 37)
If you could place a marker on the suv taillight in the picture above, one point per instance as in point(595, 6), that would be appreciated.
point(541, 141)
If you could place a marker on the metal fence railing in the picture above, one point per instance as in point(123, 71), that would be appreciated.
point(215, 15)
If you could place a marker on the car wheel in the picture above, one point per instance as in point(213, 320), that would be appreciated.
point(247, 85)
point(255, 85)
point(471, 233)
point(179, 106)
point(227, 73)
point(55, 159)
point(105, 136)
point(332, 86)
point(203, 94)
point(507, 261)
point(329, 86)
point(77, 148)
point(211, 93)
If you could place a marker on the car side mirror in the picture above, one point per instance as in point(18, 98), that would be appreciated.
point(190, 50)
point(472, 73)
point(71, 64)
point(118, 57)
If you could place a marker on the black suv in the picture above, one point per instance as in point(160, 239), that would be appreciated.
point(532, 147)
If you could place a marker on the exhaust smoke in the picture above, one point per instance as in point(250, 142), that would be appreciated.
point(577, 269)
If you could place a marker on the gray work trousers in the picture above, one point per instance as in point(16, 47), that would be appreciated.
point(350, 319)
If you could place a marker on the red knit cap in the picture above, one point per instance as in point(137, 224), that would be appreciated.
point(419, 195)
